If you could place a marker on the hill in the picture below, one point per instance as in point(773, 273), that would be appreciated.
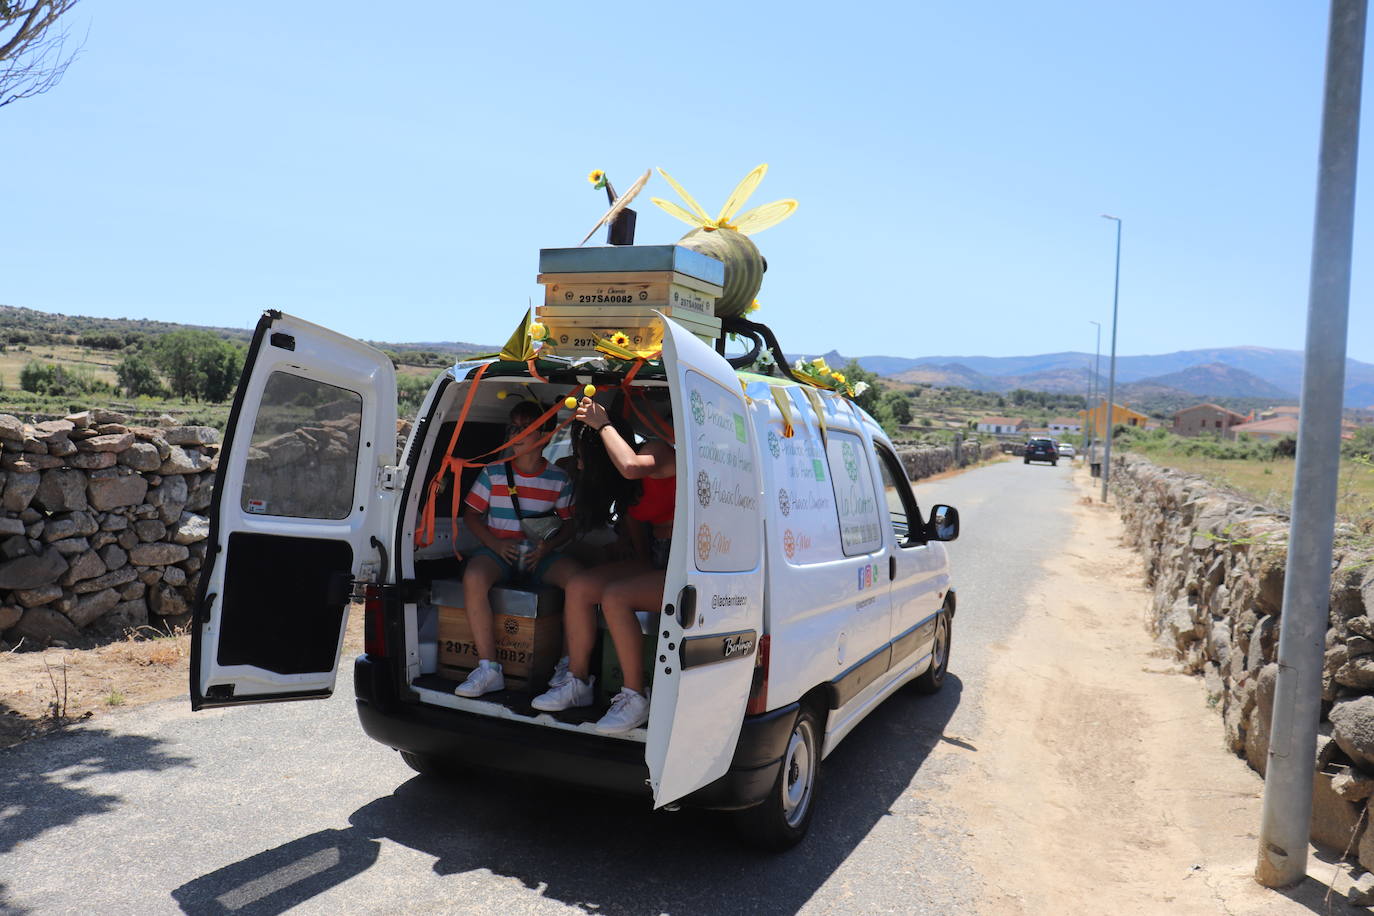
point(1219, 380)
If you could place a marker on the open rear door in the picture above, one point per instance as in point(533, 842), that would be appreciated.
point(298, 514)
point(713, 597)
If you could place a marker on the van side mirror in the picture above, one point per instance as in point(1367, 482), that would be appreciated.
point(943, 524)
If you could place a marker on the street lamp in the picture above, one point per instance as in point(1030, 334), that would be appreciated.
point(1111, 378)
point(1092, 388)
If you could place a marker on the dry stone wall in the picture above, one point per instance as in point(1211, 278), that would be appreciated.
point(102, 525)
point(928, 461)
point(1215, 562)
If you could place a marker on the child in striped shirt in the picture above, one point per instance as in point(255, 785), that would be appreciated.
point(489, 511)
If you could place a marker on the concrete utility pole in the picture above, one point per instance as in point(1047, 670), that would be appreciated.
point(1284, 828)
point(1111, 373)
point(1093, 388)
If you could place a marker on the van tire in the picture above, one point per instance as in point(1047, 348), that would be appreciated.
point(429, 765)
point(934, 677)
point(782, 820)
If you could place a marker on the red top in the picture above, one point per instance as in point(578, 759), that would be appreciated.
point(656, 503)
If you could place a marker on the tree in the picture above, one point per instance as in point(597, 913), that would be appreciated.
point(197, 364)
point(137, 376)
point(897, 407)
point(33, 47)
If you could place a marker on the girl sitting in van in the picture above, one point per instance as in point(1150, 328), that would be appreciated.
point(622, 586)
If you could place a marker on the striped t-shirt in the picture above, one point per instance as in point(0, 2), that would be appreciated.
point(551, 488)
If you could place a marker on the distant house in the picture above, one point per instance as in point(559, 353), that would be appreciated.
point(1121, 415)
point(1209, 419)
point(1065, 425)
point(1006, 426)
point(1285, 410)
point(1268, 430)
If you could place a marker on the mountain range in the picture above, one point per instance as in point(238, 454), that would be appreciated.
point(1229, 372)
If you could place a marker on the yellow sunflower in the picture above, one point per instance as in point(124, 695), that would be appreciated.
point(838, 376)
point(620, 339)
point(596, 177)
point(753, 307)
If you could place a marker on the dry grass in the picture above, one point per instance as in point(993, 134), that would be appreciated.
point(101, 363)
point(1271, 482)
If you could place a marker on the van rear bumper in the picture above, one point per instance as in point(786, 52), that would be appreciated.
point(588, 761)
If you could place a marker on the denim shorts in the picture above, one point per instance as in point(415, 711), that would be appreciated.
point(659, 548)
point(534, 578)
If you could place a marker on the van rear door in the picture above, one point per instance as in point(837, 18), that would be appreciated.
point(298, 514)
point(713, 595)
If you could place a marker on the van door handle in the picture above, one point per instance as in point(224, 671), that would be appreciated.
point(891, 568)
point(687, 606)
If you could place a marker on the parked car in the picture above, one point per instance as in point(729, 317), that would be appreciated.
point(1066, 450)
point(803, 586)
point(1042, 449)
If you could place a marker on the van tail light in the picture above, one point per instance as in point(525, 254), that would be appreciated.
point(758, 690)
point(374, 622)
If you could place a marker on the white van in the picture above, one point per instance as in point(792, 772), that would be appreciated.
point(803, 586)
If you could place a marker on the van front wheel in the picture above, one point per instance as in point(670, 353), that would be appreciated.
point(781, 821)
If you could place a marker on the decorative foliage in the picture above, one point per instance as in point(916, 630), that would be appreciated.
point(748, 223)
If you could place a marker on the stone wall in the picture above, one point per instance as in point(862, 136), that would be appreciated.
point(1216, 564)
point(927, 461)
point(100, 525)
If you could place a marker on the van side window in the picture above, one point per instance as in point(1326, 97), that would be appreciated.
point(855, 497)
point(901, 502)
point(304, 451)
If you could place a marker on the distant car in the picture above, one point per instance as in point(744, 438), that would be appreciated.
point(1066, 450)
point(1042, 450)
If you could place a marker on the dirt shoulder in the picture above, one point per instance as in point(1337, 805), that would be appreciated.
point(44, 691)
point(1108, 787)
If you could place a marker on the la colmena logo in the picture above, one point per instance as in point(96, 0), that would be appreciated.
point(698, 408)
point(704, 542)
point(789, 543)
point(867, 574)
point(703, 489)
point(851, 463)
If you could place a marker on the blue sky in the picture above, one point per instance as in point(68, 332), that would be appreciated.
point(391, 172)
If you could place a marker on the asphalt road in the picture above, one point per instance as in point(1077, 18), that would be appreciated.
point(266, 809)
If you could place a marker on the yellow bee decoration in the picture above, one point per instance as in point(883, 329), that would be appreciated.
point(726, 237)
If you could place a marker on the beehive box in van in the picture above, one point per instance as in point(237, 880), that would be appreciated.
point(527, 625)
point(590, 294)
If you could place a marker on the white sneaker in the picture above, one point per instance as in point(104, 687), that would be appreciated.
point(629, 710)
point(561, 674)
point(572, 692)
point(485, 678)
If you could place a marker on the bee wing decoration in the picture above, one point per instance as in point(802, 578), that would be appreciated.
point(702, 219)
point(741, 194)
point(760, 218)
point(621, 203)
point(673, 209)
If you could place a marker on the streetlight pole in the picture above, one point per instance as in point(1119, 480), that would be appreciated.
point(1286, 821)
point(1093, 388)
point(1111, 379)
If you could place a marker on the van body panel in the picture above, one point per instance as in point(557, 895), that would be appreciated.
point(298, 515)
point(695, 713)
point(826, 609)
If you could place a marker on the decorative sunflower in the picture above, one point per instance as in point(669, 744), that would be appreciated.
point(753, 307)
point(620, 339)
point(598, 178)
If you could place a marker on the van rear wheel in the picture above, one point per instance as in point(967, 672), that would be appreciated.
point(781, 821)
point(430, 765)
point(934, 677)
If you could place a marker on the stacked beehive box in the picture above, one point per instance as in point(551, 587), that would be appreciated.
point(592, 293)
